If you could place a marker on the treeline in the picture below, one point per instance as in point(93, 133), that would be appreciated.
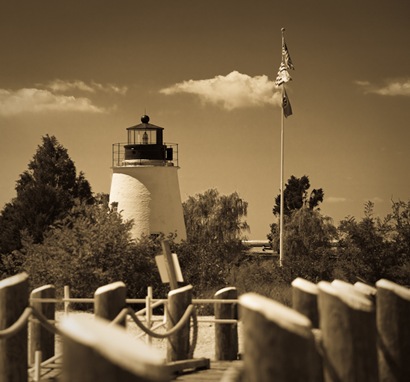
point(62, 234)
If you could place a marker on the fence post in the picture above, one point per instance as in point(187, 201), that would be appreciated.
point(40, 338)
point(178, 343)
point(348, 325)
point(66, 296)
point(148, 315)
point(96, 351)
point(304, 299)
point(367, 290)
point(226, 335)
point(109, 300)
point(13, 351)
point(393, 312)
point(278, 342)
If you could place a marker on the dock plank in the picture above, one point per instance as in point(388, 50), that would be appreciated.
point(214, 374)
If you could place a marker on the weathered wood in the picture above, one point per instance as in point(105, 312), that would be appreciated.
point(169, 264)
point(278, 342)
point(216, 373)
point(40, 338)
point(13, 350)
point(348, 328)
point(226, 335)
point(109, 300)
point(304, 299)
point(393, 326)
point(188, 365)
point(368, 290)
point(178, 343)
point(96, 351)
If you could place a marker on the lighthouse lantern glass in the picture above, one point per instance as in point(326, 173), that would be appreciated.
point(142, 136)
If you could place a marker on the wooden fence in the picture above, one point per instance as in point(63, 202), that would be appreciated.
point(334, 332)
point(102, 350)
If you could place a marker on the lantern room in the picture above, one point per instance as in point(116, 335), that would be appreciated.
point(145, 144)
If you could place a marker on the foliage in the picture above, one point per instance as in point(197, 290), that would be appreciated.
point(45, 193)
point(307, 241)
point(215, 225)
point(261, 276)
point(213, 217)
point(89, 248)
point(373, 248)
point(296, 196)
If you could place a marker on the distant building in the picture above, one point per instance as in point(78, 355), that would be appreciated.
point(145, 184)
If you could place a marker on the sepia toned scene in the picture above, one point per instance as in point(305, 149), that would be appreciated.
point(204, 191)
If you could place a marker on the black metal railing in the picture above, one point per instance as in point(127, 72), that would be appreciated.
point(118, 155)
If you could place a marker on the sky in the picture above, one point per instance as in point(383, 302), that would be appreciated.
point(205, 70)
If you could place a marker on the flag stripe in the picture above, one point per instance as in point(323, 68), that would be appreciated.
point(286, 56)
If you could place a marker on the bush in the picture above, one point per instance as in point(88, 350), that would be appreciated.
point(264, 277)
point(89, 248)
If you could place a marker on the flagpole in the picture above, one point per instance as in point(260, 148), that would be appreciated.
point(282, 166)
point(281, 79)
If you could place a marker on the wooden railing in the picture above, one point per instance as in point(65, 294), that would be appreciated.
point(334, 332)
point(82, 341)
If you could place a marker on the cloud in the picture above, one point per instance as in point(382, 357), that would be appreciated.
point(34, 100)
point(335, 199)
point(235, 90)
point(391, 88)
point(58, 85)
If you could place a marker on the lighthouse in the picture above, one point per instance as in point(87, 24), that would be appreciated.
point(144, 185)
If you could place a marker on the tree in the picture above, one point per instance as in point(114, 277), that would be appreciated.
point(91, 247)
point(213, 217)
point(296, 196)
point(45, 193)
point(215, 226)
point(307, 242)
point(375, 248)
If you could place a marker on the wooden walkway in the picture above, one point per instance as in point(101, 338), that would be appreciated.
point(214, 374)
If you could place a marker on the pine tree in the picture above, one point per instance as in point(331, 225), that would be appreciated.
point(46, 191)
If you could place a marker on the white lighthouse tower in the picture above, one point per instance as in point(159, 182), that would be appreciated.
point(145, 185)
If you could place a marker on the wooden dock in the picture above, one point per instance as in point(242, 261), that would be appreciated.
point(213, 374)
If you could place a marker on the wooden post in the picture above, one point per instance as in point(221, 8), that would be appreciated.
point(96, 351)
point(278, 342)
point(348, 325)
point(368, 290)
point(169, 264)
point(40, 338)
point(148, 314)
point(66, 296)
point(393, 326)
point(304, 299)
point(226, 335)
point(109, 301)
point(13, 350)
point(178, 343)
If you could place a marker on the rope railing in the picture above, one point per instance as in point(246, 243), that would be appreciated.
point(18, 325)
point(24, 319)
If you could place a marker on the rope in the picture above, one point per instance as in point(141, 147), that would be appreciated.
point(18, 325)
point(187, 314)
point(45, 323)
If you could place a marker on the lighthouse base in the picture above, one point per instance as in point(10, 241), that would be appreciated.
point(150, 196)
